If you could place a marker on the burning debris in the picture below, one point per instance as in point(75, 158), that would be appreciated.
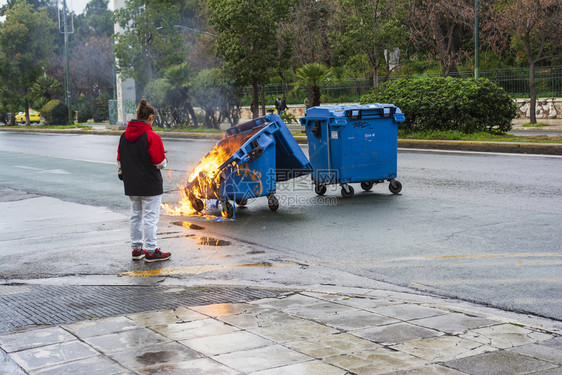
point(245, 164)
point(204, 179)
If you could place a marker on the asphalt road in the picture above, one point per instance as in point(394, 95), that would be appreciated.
point(480, 227)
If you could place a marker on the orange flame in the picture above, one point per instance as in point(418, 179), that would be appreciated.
point(207, 174)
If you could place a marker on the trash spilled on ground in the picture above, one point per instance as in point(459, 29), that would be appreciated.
point(246, 164)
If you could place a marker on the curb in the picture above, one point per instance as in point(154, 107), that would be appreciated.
point(500, 147)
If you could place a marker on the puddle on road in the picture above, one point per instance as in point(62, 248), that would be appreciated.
point(210, 241)
point(201, 240)
point(187, 224)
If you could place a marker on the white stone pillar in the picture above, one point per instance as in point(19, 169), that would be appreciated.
point(126, 91)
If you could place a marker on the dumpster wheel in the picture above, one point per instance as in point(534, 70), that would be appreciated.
point(241, 202)
point(227, 209)
point(347, 191)
point(367, 185)
point(395, 186)
point(272, 202)
point(320, 189)
point(197, 204)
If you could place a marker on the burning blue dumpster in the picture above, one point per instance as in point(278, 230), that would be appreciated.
point(247, 163)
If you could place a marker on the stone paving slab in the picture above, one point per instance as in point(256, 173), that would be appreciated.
point(305, 368)
point(505, 336)
point(52, 355)
point(454, 323)
point(499, 362)
point(408, 311)
point(331, 345)
point(541, 352)
point(354, 320)
point(347, 334)
point(98, 365)
point(201, 366)
point(443, 348)
point(195, 329)
point(248, 361)
point(396, 333)
point(34, 338)
point(227, 343)
point(138, 358)
point(377, 361)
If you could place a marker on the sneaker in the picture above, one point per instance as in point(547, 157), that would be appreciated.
point(138, 254)
point(157, 256)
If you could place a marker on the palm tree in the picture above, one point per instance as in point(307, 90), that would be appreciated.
point(313, 75)
point(179, 77)
point(45, 89)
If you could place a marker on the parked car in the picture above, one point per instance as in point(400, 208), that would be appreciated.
point(34, 116)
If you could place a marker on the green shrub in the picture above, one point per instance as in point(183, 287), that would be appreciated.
point(84, 112)
point(437, 103)
point(55, 112)
point(288, 118)
point(100, 112)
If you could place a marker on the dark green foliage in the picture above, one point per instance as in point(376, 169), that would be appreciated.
point(101, 110)
point(85, 113)
point(55, 112)
point(437, 103)
point(85, 109)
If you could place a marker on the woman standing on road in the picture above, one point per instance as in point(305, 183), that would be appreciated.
point(140, 156)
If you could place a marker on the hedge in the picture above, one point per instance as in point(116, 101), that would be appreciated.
point(438, 103)
point(55, 112)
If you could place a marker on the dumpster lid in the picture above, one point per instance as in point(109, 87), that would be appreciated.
point(291, 162)
point(353, 111)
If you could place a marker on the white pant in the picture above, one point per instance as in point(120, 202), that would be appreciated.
point(145, 212)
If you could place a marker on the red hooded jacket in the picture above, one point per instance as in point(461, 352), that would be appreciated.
point(140, 151)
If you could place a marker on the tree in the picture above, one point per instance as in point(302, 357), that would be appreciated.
point(171, 97)
point(312, 76)
point(26, 43)
point(308, 26)
point(248, 41)
point(178, 78)
point(148, 43)
point(45, 89)
point(96, 20)
point(445, 26)
point(369, 27)
point(534, 29)
point(212, 91)
point(9, 4)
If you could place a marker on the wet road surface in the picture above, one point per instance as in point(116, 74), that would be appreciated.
point(481, 227)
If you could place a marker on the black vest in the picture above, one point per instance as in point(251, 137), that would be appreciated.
point(140, 176)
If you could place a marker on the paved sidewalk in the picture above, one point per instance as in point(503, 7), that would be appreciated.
point(330, 331)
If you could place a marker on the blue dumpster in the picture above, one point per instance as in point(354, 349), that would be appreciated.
point(353, 143)
point(266, 153)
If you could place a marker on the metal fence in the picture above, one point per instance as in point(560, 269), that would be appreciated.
point(515, 81)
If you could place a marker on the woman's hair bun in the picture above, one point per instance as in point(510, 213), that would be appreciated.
point(144, 110)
